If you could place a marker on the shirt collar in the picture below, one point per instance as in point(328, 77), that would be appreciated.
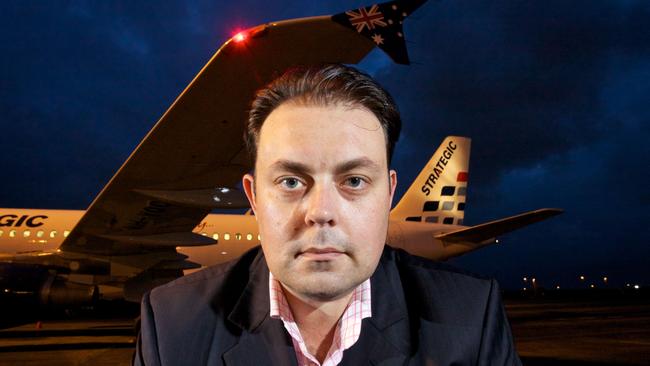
point(279, 307)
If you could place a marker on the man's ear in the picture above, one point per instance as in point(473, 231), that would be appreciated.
point(392, 181)
point(248, 182)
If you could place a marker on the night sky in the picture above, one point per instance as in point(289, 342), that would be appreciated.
point(554, 94)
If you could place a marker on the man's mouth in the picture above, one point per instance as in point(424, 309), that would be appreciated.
point(321, 254)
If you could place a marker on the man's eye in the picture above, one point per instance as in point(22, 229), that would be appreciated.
point(290, 183)
point(354, 182)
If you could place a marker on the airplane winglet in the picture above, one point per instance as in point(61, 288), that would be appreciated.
point(480, 233)
point(382, 24)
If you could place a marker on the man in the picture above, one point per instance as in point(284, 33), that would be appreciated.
point(324, 289)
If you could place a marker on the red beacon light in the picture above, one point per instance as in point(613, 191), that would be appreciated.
point(244, 35)
point(239, 37)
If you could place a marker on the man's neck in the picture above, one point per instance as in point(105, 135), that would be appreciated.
point(317, 321)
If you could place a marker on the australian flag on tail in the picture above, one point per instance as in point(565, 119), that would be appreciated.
point(382, 24)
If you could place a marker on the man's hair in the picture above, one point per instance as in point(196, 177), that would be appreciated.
point(324, 85)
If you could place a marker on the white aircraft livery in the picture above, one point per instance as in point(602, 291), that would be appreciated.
point(152, 221)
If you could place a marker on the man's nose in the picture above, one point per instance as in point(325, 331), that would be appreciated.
point(321, 205)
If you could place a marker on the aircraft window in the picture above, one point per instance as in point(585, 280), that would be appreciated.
point(226, 236)
point(259, 237)
point(433, 219)
point(431, 206)
point(27, 233)
point(238, 236)
point(52, 233)
point(249, 236)
point(461, 206)
point(448, 190)
point(462, 191)
point(12, 234)
point(215, 236)
point(447, 206)
point(414, 218)
point(448, 220)
point(66, 233)
point(40, 233)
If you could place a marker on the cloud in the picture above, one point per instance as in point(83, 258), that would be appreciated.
point(553, 94)
point(523, 79)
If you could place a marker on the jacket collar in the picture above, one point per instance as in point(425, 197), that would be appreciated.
point(385, 338)
point(388, 305)
point(252, 307)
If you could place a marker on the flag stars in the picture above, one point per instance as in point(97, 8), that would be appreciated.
point(377, 39)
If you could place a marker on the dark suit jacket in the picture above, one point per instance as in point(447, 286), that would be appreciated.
point(423, 313)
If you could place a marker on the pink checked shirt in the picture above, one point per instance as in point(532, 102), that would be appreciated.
point(347, 330)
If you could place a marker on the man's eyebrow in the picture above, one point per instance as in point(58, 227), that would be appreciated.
point(362, 162)
point(291, 166)
point(297, 167)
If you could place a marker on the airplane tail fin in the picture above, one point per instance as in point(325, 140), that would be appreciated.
point(438, 193)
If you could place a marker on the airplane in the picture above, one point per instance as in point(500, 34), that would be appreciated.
point(427, 221)
point(152, 221)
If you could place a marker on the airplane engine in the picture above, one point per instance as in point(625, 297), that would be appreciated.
point(58, 292)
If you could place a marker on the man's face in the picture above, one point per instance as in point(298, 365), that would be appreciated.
point(322, 195)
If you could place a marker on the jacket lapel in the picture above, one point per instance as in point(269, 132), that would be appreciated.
point(263, 340)
point(268, 345)
point(385, 337)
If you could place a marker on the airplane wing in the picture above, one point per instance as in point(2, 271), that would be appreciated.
point(490, 230)
point(192, 160)
point(194, 157)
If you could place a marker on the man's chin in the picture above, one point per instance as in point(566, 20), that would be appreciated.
point(324, 295)
point(323, 286)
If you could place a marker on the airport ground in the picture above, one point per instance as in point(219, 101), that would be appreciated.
point(556, 329)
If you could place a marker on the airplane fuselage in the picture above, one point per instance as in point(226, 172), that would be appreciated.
point(32, 231)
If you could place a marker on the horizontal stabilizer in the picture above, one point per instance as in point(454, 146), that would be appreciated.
point(480, 233)
point(182, 239)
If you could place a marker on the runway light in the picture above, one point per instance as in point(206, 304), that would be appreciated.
point(592, 285)
point(627, 285)
point(636, 287)
point(496, 241)
point(525, 289)
point(239, 37)
point(525, 279)
point(582, 278)
point(557, 287)
point(605, 279)
point(533, 280)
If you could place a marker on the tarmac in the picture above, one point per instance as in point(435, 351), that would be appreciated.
point(547, 332)
point(583, 333)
